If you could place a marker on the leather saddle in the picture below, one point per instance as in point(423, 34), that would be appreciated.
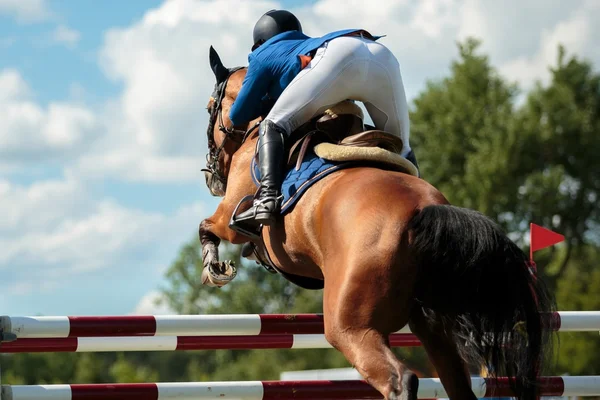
point(342, 130)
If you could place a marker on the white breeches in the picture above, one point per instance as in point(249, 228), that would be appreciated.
point(347, 67)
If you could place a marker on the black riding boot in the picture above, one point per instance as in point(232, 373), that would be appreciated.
point(270, 159)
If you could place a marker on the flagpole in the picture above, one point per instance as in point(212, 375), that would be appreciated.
point(533, 269)
point(531, 242)
point(546, 238)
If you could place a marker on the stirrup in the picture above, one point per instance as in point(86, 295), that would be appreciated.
point(260, 203)
point(245, 229)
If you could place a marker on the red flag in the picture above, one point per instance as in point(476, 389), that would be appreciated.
point(541, 238)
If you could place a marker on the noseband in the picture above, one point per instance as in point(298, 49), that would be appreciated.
point(216, 115)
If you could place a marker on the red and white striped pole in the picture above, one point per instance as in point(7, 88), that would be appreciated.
point(219, 325)
point(271, 390)
point(171, 343)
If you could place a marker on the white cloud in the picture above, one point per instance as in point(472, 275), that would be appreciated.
point(54, 229)
point(152, 304)
point(129, 165)
point(30, 132)
point(26, 11)
point(65, 35)
point(512, 28)
point(357, 10)
point(12, 86)
point(577, 32)
point(157, 125)
point(433, 17)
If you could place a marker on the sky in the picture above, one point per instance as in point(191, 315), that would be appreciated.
point(103, 121)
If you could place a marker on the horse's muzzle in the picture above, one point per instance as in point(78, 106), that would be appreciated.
point(215, 186)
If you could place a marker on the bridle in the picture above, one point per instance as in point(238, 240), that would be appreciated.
point(237, 135)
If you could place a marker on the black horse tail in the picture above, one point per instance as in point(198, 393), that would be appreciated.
point(475, 281)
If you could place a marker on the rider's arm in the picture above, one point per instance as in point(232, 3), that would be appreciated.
point(248, 104)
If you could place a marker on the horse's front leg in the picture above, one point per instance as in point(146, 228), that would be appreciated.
point(215, 272)
point(211, 231)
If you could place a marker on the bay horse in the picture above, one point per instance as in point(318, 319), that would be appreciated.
point(389, 250)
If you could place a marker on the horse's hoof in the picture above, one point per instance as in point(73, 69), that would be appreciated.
point(218, 274)
point(410, 386)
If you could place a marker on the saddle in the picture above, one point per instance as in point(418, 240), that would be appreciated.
point(340, 135)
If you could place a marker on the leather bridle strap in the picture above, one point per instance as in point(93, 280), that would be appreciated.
point(216, 115)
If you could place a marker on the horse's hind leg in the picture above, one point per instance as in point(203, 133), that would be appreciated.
point(370, 354)
point(444, 356)
point(359, 314)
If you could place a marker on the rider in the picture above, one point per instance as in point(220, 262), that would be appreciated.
point(304, 76)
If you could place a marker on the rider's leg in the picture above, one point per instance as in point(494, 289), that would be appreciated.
point(384, 97)
point(270, 160)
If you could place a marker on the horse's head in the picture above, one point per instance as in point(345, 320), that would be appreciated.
point(223, 138)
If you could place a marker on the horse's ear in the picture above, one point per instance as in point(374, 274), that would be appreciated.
point(217, 66)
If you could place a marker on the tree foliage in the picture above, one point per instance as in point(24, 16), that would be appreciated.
point(462, 128)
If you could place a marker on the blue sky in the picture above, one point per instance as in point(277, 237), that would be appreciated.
point(52, 69)
point(102, 104)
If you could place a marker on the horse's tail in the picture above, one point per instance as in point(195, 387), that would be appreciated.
point(476, 282)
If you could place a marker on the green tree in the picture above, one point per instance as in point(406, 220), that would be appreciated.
point(559, 147)
point(90, 367)
point(38, 368)
point(537, 163)
point(463, 129)
point(533, 163)
point(125, 371)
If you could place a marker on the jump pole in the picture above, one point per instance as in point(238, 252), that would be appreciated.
point(220, 325)
point(271, 390)
point(171, 343)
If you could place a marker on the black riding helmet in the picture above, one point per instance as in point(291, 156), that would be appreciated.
point(273, 23)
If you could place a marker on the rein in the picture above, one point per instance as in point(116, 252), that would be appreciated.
point(216, 115)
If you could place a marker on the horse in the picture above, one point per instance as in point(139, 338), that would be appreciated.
point(388, 250)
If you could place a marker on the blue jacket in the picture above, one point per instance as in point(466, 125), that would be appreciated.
point(271, 69)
